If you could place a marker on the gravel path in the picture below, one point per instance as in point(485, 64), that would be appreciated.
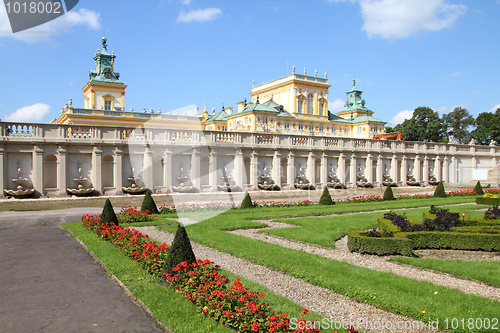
point(320, 300)
point(342, 253)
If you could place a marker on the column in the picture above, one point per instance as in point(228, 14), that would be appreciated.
point(148, 169)
point(368, 168)
point(311, 172)
point(394, 168)
point(341, 168)
point(404, 169)
point(277, 168)
point(425, 176)
point(454, 169)
point(62, 161)
point(380, 169)
point(291, 170)
point(416, 169)
point(437, 168)
point(493, 159)
point(254, 170)
point(214, 171)
point(118, 170)
point(4, 170)
point(446, 170)
point(239, 169)
point(167, 170)
point(195, 168)
point(96, 173)
point(38, 169)
point(324, 169)
point(353, 170)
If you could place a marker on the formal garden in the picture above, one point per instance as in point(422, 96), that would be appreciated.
point(362, 250)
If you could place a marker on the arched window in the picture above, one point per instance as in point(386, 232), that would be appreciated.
point(300, 106)
point(310, 104)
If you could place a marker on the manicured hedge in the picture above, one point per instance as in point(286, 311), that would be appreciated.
point(488, 201)
point(454, 240)
point(427, 215)
point(399, 244)
point(387, 226)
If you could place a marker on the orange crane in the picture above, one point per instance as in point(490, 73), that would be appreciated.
point(396, 135)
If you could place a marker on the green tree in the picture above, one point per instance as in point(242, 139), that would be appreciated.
point(425, 126)
point(180, 250)
point(149, 204)
point(247, 201)
point(439, 191)
point(108, 214)
point(487, 127)
point(388, 194)
point(458, 123)
point(326, 198)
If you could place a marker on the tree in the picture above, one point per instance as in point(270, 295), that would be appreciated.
point(439, 191)
point(180, 250)
point(487, 127)
point(326, 198)
point(458, 123)
point(247, 201)
point(108, 214)
point(424, 126)
point(478, 189)
point(149, 204)
point(388, 195)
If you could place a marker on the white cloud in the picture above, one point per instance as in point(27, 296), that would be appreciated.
point(61, 24)
point(199, 15)
point(400, 117)
point(456, 74)
point(493, 109)
point(32, 113)
point(393, 19)
point(336, 105)
point(448, 109)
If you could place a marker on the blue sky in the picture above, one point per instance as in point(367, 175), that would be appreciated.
point(179, 53)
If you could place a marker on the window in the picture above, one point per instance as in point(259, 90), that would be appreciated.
point(301, 127)
point(311, 128)
point(287, 125)
point(359, 129)
point(321, 109)
point(310, 104)
point(299, 107)
point(346, 130)
point(107, 105)
point(246, 120)
point(264, 120)
point(334, 129)
point(321, 128)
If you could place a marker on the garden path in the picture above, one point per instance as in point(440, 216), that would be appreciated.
point(342, 253)
point(317, 299)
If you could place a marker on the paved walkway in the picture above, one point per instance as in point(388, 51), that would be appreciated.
point(50, 284)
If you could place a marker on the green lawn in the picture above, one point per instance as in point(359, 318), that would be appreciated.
point(385, 290)
point(485, 271)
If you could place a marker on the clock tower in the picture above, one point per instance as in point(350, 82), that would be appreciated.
point(104, 91)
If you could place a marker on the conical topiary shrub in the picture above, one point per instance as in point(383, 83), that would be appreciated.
point(108, 214)
point(149, 204)
point(326, 198)
point(478, 188)
point(439, 192)
point(247, 201)
point(180, 250)
point(388, 195)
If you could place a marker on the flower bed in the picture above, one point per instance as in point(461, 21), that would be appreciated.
point(488, 199)
point(130, 214)
point(200, 282)
point(440, 230)
point(137, 246)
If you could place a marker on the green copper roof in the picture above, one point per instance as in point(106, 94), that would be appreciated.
point(104, 72)
point(355, 100)
point(219, 116)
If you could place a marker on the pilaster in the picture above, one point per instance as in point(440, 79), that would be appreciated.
point(148, 169)
point(353, 171)
point(38, 169)
point(96, 173)
point(277, 168)
point(311, 172)
point(425, 176)
point(167, 170)
point(291, 170)
point(214, 171)
point(254, 170)
point(341, 168)
point(324, 169)
point(62, 161)
point(195, 168)
point(239, 169)
point(368, 169)
point(118, 170)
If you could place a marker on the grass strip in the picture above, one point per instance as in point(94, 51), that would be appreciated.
point(484, 271)
point(169, 307)
point(388, 291)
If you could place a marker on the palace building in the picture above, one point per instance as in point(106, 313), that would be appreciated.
point(283, 138)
